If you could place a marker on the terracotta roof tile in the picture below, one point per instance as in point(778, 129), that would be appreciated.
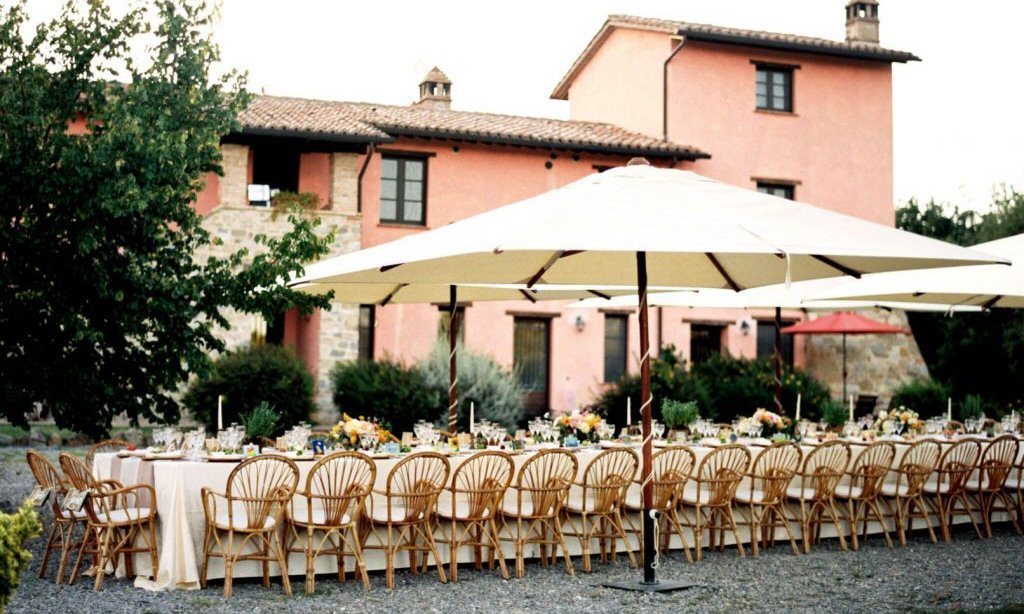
point(363, 122)
point(737, 36)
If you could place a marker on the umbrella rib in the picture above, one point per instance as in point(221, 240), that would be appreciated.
point(721, 271)
point(527, 295)
point(842, 268)
point(991, 302)
point(550, 263)
point(391, 295)
point(600, 294)
point(388, 267)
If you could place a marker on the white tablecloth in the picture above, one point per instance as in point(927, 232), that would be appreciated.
point(180, 513)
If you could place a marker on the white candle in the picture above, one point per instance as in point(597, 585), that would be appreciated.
point(220, 412)
point(851, 408)
point(797, 419)
point(472, 415)
point(629, 411)
point(949, 410)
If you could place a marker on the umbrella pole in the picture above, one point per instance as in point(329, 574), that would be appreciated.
point(778, 360)
point(650, 582)
point(845, 398)
point(453, 376)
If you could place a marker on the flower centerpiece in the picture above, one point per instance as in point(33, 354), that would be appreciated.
point(583, 425)
point(359, 433)
point(897, 420)
point(767, 422)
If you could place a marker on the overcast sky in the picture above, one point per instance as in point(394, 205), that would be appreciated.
point(959, 129)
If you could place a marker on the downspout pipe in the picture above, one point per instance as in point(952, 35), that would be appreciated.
point(370, 150)
point(664, 88)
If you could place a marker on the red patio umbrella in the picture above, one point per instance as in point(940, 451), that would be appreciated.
point(843, 323)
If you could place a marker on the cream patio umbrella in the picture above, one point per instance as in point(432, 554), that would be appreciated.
point(984, 286)
point(641, 226)
point(776, 297)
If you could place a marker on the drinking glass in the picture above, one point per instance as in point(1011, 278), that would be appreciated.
point(367, 441)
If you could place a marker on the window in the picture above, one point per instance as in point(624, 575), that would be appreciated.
point(530, 361)
point(403, 183)
point(444, 322)
point(766, 341)
point(775, 89)
point(784, 190)
point(615, 348)
point(705, 342)
point(276, 166)
point(367, 323)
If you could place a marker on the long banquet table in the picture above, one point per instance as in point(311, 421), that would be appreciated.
point(180, 511)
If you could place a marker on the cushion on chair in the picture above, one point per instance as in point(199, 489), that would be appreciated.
point(577, 505)
point(745, 494)
point(399, 511)
point(848, 491)
point(124, 516)
point(300, 515)
point(891, 490)
point(239, 521)
point(78, 514)
point(462, 511)
point(510, 507)
point(934, 487)
point(1013, 483)
point(690, 495)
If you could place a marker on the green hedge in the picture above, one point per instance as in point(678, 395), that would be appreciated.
point(491, 387)
point(15, 530)
point(249, 376)
point(723, 388)
point(398, 395)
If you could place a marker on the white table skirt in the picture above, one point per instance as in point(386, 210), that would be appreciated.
point(181, 519)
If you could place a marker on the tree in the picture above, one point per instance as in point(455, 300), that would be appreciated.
point(971, 353)
point(104, 307)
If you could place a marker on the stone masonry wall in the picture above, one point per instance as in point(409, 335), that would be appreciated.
point(876, 364)
point(236, 224)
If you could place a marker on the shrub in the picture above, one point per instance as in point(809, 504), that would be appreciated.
point(833, 413)
point(492, 388)
point(737, 387)
point(971, 407)
point(15, 530)
point(395, 394)
point(723, 388)
point(677, 414)
point(925, 396)
point(669, 380)
point(249, 376)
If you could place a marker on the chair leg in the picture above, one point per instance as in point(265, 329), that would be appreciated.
point(48, 549)
point(432, 545)
point(311, 559)
point(496, 544)
point(276, 544)
point(584, 538)
point(560, 537)
point(104, 557)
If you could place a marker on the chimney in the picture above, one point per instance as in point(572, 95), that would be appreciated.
point(862, 21)
point(436, 90)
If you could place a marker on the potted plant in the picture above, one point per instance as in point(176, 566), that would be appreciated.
point(260, 424)
point(678, 415)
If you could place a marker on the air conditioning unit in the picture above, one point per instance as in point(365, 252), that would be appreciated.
point(259, 194)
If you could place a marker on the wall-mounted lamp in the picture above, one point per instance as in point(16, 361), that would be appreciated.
point(745, 327)
point(581, 323)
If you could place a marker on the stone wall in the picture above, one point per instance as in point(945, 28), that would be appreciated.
point(876, 364)
point(236, 227)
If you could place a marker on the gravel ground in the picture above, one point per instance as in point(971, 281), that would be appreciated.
point(964, 575)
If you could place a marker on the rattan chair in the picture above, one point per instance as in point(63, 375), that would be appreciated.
point(532, 510)
point(405, 510)
point(596, 502)
point(249, 514)
point(904, 499)
point(815, 491)
point(116, 520)
point(710, 494)
point(765, 497)
point(956, 426)
point(330, 504)
point(670, 469)
point(107, 445)
point(949, 486)
point(65, 523)
point(471, 506)
point(863, 490)
point(987, 488)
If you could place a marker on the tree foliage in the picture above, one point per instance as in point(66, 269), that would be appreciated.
point(397, 394)
point(972, 353)
point(108, 125)
point(492, 389)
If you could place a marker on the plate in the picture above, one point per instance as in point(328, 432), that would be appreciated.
point(165, 455)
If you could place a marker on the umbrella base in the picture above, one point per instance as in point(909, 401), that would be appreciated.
point(658, 586)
